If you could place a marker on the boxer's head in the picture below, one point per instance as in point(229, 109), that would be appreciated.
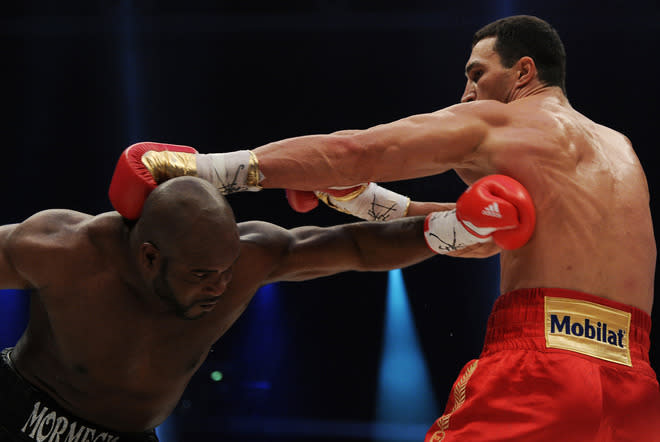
point(511, 52)
point(187, 242)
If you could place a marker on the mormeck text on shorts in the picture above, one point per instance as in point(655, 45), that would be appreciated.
point(45, 426)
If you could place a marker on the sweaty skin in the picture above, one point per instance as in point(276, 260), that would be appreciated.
point(120, 320)
point(594, 231)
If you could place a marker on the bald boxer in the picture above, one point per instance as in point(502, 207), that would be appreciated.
point(122, 313)
point(566, 353)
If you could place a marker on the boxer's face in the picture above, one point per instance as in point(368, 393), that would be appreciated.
point(193, 285)
point(487, 78)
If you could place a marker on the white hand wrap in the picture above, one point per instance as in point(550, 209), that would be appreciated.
point(444, 233)
point(369, 202)
point(230, 172)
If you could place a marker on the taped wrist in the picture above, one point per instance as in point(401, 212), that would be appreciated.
point(230, 172)
point(444, 233)
point(369, 202)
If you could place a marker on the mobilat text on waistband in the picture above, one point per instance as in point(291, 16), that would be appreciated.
point(587, 328)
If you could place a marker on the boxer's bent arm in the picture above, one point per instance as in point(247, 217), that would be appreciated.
point(416, 146)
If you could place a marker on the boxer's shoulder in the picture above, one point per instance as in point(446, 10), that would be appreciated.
point(50, 224)
point(56, 238)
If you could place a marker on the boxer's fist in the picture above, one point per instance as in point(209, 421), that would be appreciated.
point(367, 201)
point(302, 200)
point(306, 200)
point(132, 181)
point(498, 206)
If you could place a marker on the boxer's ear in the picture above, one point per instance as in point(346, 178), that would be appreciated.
point(526, 71)
point(150, 257)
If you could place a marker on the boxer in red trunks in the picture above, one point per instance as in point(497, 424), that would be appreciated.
point(556, 365)
point(594, 235)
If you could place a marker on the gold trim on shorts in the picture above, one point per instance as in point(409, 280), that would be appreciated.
point(459, 398)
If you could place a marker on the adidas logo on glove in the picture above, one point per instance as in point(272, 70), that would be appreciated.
point(493, 210)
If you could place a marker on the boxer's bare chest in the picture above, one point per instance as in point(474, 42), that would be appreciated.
point(101, 338)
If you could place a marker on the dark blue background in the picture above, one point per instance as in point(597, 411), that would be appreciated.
point(82, 80)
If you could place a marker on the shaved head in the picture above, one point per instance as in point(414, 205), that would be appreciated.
point(186, 242)
point(186, 215)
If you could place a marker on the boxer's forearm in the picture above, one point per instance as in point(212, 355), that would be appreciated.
point(412, 147)
point(419, 208)
point(398, 244)
point(390, 245)
point(365, 246)
point(310, 163)
point(319, 161)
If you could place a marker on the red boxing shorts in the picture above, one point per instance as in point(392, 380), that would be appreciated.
point(557, 365)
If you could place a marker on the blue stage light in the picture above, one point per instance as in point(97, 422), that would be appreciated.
point(14, 306)
point(405, 394)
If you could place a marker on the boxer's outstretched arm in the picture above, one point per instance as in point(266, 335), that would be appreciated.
point(495, 211)
point(142, 166)
point(311, 252)
point(412, 147)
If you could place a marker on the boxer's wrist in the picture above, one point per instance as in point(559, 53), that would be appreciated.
point(444, 233)
point(230, 172)
point(369, 202)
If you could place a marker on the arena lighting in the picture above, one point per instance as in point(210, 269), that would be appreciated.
point(267, 331)
point(129, 57)
point(264, 339)
point(14, 308)
point(504, 8)
point(167, 431)
point(405, 394)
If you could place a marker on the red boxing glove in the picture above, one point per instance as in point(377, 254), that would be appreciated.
point(132, 182)
point(498, 206)
point(305, 200)
point(302, 200)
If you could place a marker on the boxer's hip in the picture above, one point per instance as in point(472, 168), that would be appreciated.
point(549, 319)
point(29, 414)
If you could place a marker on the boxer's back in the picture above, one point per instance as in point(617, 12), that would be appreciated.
point(594, 231)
